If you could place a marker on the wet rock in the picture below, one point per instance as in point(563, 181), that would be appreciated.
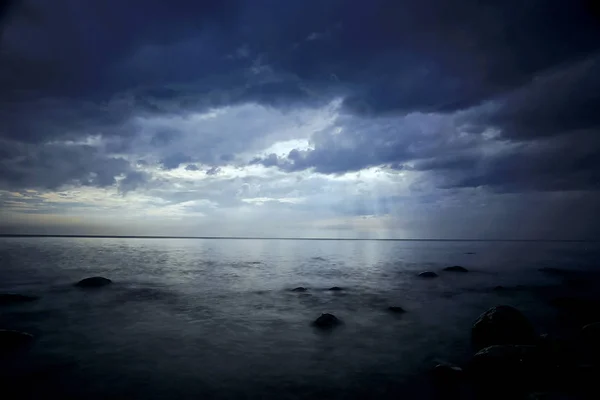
point(447, 379)
point(93, 282)
point(590, 340)
point(15, 298)
point(335, 289)
point(502, 325)
point(507, 368)
point(447, 373)
point(299, 289)
point(327, 321)
point(456, 268)
point(428, 274)
point(499, 288)
point(470, 253)
point(13, 341)
point(396, 309)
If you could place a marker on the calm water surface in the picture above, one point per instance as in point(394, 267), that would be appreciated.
point(217, 318)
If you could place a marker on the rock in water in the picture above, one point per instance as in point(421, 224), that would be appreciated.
point(456, 268)
point(507, 368)
point(447, 379)
point(396, 309)
point(93, 282)
point(502, 325)
point(14, 298)
point(299, 289)
point(327, 321)
point(428, 274)
point(13, 341)
point(447, 373)
point(335, 289)
point(590, 339)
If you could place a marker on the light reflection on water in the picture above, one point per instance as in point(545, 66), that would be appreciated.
point(217, 318)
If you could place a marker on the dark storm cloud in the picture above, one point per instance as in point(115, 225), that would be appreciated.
point(562, 101)
point(87, 68)
point(50, 166)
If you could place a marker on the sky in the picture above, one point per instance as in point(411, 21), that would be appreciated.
point(330, 118)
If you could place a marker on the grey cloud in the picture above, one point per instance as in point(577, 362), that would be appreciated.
point(174, 160)
point(192, 167)
point(52, 166)
point(133, 180)
point(520, 67)
point(213, 171)
point(559, 102)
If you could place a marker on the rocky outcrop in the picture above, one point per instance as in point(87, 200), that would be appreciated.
point(299, 289)
point(93, 282)
point(326, 321)
point(428, 274)
point(335, 289)
point(502, 325)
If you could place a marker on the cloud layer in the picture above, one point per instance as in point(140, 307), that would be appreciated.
point(215, 108)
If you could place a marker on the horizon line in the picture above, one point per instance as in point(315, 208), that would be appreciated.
point(23, 235)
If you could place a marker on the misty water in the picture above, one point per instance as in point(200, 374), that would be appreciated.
point(218, 318)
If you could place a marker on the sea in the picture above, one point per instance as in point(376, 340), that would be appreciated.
point(218, 319)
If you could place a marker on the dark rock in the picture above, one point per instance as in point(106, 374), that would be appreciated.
point(428, 274)
point(13, 341)
point(591, 333)
point(502, 325)
point(327, 321)
point(456, 268)
point(396, 309)
point(299, 289)
point(14, 298)
point(470, 253)
point(447, 381)
point(499, 287)
point(507, 368)
point(93, 282)
point(557, 351)
point(335, 289)
point(590, 340)
point(445, 373)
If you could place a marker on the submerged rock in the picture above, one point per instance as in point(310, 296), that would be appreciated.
point(93, 282)
point(335, 289)
point(327, 321)
point(502, 325)
point(12, 341)
point(299, 289)
point(396, 309)
point(456, 268)
point(13, 298)
point(428, 274)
